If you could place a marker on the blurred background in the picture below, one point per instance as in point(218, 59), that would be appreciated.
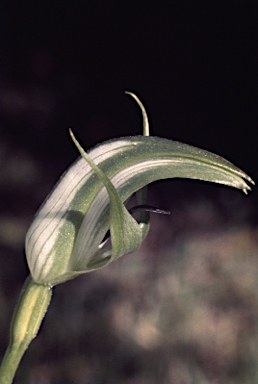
point(183, 309)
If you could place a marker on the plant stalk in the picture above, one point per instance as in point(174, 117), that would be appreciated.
point(27, 318)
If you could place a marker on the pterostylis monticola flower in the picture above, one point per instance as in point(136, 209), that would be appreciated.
point(68, 234)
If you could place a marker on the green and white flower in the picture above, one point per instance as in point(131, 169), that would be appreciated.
point(65, 237)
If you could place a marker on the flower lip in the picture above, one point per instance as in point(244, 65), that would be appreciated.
point(138, 208)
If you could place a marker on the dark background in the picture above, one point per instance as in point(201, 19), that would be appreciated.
point(67, 64)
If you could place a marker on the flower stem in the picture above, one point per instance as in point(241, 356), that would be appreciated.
point(27, 318)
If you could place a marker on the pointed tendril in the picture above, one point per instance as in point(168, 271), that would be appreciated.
point(148, 208)
point(146, 128)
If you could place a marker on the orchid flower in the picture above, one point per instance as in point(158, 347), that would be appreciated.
point(67, 236)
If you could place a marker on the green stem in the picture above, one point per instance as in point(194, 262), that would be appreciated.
point(27, 318)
